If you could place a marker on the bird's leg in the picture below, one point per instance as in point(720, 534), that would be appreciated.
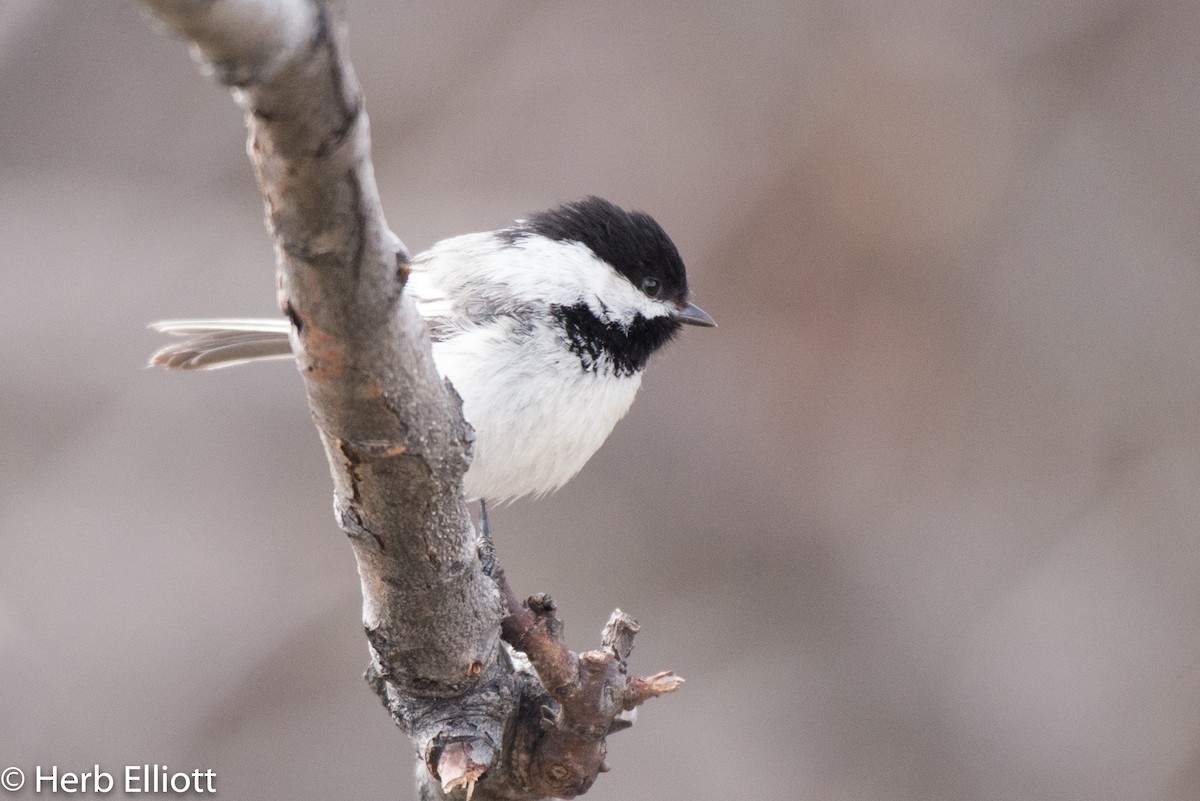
point(485, 546)
point(483, 520)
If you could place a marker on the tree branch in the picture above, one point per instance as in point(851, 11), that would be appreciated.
point(394, 433)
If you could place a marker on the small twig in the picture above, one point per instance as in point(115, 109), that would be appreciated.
point(592, 689)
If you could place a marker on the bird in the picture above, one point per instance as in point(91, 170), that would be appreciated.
point(544, 328)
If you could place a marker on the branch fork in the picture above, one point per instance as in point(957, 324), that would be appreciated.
point(591, 692)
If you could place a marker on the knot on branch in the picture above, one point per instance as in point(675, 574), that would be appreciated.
point(592, 692)
point(459, 763)
point(459, 738)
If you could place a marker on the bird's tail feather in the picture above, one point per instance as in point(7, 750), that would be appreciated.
point(221, 343)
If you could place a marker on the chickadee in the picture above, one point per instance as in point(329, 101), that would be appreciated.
point(543, 328)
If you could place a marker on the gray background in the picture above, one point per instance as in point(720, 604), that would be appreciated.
point(917, 522)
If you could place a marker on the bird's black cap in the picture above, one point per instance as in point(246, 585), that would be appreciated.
point(631, 241)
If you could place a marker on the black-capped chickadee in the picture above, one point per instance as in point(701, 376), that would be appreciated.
point(543, 328)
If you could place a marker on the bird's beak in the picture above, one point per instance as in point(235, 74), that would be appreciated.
point(694, 315)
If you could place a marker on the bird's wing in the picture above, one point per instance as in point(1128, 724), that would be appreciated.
point(433, 303)
point(459, 285)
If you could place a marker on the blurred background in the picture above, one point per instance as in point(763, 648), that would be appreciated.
point(918, 522)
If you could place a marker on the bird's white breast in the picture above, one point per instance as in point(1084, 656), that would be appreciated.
point(538, 416)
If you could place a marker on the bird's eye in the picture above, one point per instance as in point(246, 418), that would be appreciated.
point(651, 286)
